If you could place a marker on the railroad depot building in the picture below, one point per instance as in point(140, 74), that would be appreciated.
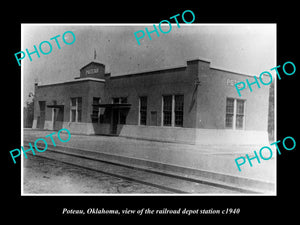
point(194, 103)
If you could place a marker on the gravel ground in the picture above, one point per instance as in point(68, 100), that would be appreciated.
point(40, 174)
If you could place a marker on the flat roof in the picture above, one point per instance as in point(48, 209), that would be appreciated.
point(76, 80)
point(181, 67)
point(148, 71)
point(138, 73)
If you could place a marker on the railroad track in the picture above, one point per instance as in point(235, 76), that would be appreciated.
point(109, 165)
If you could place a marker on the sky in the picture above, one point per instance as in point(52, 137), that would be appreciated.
point(243, 48)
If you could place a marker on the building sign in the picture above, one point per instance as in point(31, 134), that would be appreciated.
point(232, 82)
point(92, 71)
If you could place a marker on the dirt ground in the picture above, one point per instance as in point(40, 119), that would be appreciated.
point(218, 159)
point(40, 174)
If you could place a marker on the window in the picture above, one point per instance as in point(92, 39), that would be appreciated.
point(96, 109)
point(73, 109)
point(73, 101)
point(115, 100)
point(239, 114)
point(235, 109)
point(76, 109)
point(79, 109)
point(143, 110)
point(173, 110)
point(73, 115)
point(123, 100)
point(178, 110)
point(229, 112)
point(167, 110)
point(119, 100)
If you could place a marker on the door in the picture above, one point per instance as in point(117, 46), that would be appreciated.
point(58, 118)
point(115, 121)
point(42, 116)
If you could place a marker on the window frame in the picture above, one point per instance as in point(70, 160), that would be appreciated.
point(238, 114)
point(167, 111)
point(179, 111)
point(171, 111)
point(143, 111)
point(78, 109)
point(229, 113)
point(235, 114)
point(96, 112)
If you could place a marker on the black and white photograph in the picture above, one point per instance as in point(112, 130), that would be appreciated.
point(164, 109)
point(149, 112)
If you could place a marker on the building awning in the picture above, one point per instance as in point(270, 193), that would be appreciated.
point(55, 106)
point(114, 105)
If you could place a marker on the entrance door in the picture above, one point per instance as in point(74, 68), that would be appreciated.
point(115, 121)
point(58, 118)
point(41, 118)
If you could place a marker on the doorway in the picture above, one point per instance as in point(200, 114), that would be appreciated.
point(58, 118)
point(114, 121)
point(42, 116)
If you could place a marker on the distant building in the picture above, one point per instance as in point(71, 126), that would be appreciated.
point(193, 104)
